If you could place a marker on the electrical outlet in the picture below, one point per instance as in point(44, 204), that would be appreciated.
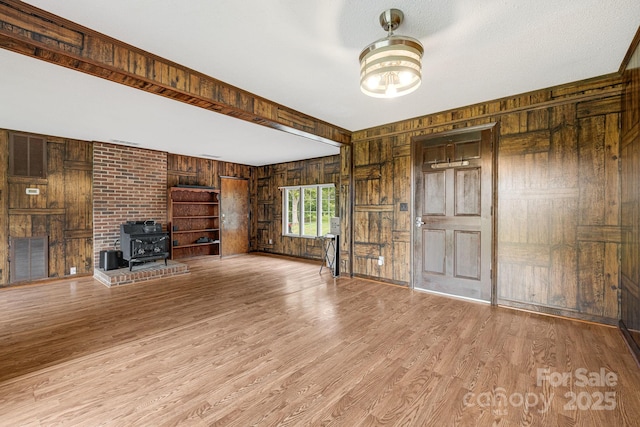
point(72, 270)
point(380, 260)
point(271, 241)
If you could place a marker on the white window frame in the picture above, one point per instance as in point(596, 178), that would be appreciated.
point(285, 209)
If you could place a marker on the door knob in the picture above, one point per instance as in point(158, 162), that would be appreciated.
point(419, 221)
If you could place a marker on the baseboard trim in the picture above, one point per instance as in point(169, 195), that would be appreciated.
point(634, 348)
point(558, 312)
point(381, 280)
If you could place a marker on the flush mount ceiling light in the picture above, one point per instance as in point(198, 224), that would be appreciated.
point(391, 66)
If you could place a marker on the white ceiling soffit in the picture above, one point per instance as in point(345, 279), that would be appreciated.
point(304, 54)
point(57, 101)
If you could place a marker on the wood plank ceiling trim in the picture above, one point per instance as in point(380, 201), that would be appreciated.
point(598, 93)
point(39, 34)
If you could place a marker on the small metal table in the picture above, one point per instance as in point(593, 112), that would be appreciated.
point(329, 253)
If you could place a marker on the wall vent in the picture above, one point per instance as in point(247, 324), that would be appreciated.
point(27, 156)
point(29, 258)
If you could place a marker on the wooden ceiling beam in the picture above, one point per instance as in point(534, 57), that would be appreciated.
point(39, 34)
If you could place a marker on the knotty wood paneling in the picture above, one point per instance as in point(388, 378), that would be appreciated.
point(78, 205)
point(346, 209)
point(558, 196)
point(4, 207)
point(36, 33)
point(186, 170)
point(381, 180)
point(630, 201)
point(324, 170)
point(558, 201)
point(63, 210)
point(401, 220)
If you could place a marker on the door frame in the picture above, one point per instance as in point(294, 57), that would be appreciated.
point(416, 141)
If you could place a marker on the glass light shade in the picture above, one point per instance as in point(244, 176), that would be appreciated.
point(391, 67)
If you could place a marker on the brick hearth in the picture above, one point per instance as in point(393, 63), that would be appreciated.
point(140, 273)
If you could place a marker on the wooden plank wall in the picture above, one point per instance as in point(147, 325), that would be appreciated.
point(325, 170)
point(62, 210)
point(381, 182)
point(345, 207)
point(559, 208)
point(4, 208)
point(630, 158)
point(186, 170)
point(558, 196)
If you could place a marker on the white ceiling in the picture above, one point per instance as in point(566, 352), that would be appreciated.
point(304, 54)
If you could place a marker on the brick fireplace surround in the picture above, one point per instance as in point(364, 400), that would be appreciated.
point(128, 184)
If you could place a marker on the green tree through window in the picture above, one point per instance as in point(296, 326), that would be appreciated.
point(308, 210)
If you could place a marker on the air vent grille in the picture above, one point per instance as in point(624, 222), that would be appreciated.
point(29, 258)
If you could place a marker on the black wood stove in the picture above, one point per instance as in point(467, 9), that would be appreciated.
point(143, 241)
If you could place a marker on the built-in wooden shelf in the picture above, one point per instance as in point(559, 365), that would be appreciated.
point(194, 213)
point(204, 230)
point(196, 244)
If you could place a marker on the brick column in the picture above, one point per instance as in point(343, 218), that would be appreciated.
point(129, 184)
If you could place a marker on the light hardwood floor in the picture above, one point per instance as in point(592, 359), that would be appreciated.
point(260, 340)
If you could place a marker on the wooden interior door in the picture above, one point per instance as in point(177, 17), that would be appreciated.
point(234, 216)
point(453, 214)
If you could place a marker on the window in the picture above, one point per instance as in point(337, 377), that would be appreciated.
point(28, 156)
point(307, 210)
